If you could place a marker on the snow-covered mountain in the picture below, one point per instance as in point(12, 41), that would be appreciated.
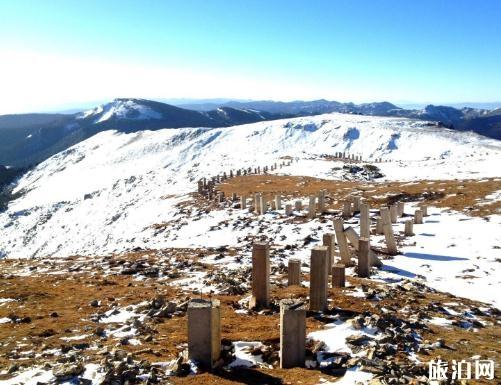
point(104, 194)
point(31, 138)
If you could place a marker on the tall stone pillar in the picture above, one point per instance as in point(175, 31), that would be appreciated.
point(311, 207)
point(321, 201)
point(347, 213)
point(342, 243)
point(318, 279)
point(262, 204)
point(204, 332)
point(400, 209)
point(393, 213)
point(365, 224)
point(260, 275)
point(278, 202)
point(391, 244)
point(363, 258)
point(292, 333)
point(328, 239)
point(243, 202)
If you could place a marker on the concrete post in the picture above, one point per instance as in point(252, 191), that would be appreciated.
point(204, 332)
point(257, 203)
point(391, 245)
point(321, 201)
point(424, 209)
point(365, 221)
point(260, 275)
point(288, 210)
point(278, 202)
point(342, 243)
point(243, 202)
point(311, 207)
point(418, 217)
point(363, 258)
point(262, 204)
point(318, 278)
point(292, 333)
point(298, 205)
point(356, 204)
point(338, 275)
point(347, 209)
point(352, 236)
point(409, 227)
point(393, 213)
point(294, 272)
point(379, 226)
point(328, 239)
point(400, 209)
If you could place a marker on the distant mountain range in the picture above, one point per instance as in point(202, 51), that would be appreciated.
point(28, 139)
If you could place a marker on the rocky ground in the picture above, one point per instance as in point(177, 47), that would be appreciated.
point(121, 318)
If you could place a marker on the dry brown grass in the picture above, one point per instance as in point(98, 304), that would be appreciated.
point(461, 195)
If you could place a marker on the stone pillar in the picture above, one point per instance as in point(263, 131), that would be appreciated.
point(418, 217)
point(294, 272)
point(365, 224)
point(328, 239)
point(257, 203)
point(318, 278)
point(292, 333)
point(391, 245)
point(409, 227)
point(272, 205)
point(278, 202)
point(400, 209)
point(298, 205)
point(311, 207)
point(424, 209)
point(379, 226)
point(338, 275)
point(342, 243)
point(234, 197)
point(200, 186)
point(288, 210)
point(262, 204)
point(352, 237)
point(260, 275)
point(393, 213)
point(356, 204)
point(321, 201)
point(363, 258)
point(347, 209)
point(243, 202)
point(204, 332)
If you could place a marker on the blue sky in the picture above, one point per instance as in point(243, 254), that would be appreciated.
point(60, 53)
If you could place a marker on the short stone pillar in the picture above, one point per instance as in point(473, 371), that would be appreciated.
point(288, 210)
point(260, 275)
point(243, 202)
point(234, 197)
point(204, 332)
point(365, 224)
point(318, 278)
point(400, 209)
point(272, 205)
point(342, 243)
point(278, 202)
point(379, 226)
point(328, 239)
point(347, 209)
point(311, 207)
point(338, 275)
point(408, 231)
point(294, 272)
point(393, 213)
point(220, 197)
point(391, 244)
point(418, 217)
point(298, 205)
point(292, 333)
point(363, 258)
point(424, 209)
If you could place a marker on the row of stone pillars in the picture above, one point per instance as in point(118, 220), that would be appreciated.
point(206, 186)
point(352, 157)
